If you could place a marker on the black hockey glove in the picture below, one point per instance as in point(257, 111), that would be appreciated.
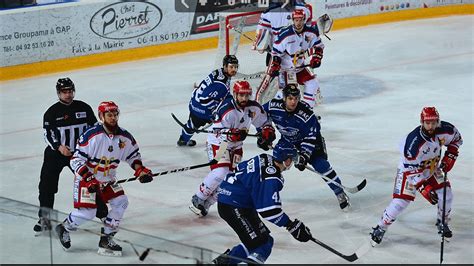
point(303, 159)
point(299, 231)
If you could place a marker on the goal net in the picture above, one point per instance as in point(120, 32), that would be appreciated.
point(236, 36)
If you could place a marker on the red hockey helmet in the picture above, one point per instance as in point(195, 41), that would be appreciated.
point(108, 106)
point(242, 87)
point(298, 13)
point(429, 114)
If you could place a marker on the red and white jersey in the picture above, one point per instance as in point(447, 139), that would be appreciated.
point(273, 20)
point(231, 116)
point(101, 153)
point(291, 46)
point(421, 154)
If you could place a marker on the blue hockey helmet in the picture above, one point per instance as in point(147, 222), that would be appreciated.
point(281, 153)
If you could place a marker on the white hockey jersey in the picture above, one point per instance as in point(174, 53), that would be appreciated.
point(421, 154)
point(291, 46)
point(230, 116)
point(101, 153)
point(273, 20)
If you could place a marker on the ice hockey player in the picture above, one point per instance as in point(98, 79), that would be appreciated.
point(418, 170)
point(235, 116)
point(289, 52)
point(300, 129)
point(251, 191)
point(207, 97)
point(98, 153)
point(275, 18)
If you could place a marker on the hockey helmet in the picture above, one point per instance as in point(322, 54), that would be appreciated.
point(65, 84)
point(281, 153)
point(108, 106)
point(242, 87)
point(291, 89)
point(230, 59)
point(298, 13)
point(429, 114)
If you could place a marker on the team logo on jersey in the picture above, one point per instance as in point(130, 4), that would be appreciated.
point(81, 115)
point(110, 149)
point(270, 170)
point(121, 144)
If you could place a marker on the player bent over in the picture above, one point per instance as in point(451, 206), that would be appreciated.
point(234, 116)
point(253, 191)
point(98, 153)
point(418, 169)
point(207, 97)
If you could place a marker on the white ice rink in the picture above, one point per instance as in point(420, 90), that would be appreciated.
point(375, 81)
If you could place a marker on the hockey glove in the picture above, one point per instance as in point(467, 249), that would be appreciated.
point(299, 231)
point(303, 159)
point(92, 184)
point(237, 134)
point(428, 193)
point(275, 67)
point(267, 136)
point(449, 159)
point(144, 174)
point(316, 57)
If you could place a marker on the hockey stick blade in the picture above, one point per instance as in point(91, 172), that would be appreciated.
point(352, 190)
point(351, 258)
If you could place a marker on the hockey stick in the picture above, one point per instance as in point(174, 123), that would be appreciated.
point(349, 189)
point(353, 257)
point(219, 154)
point(214, 131)
point(445, 177)
point(240, 32)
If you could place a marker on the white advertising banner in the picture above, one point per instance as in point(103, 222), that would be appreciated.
point(351, 8)
point(38, 34)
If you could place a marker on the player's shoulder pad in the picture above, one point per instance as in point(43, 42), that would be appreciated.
point(311, 28)
point(284, 33)
point(445, 128)
point(276, 104)
point(413, 143)
point(123, 132)
point(252, 103)
point(218, 75)
point(268, 169)
point(304, 112)
point(226, 106)
point(91, 132)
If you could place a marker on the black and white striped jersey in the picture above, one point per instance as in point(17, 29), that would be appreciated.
point(63, 124)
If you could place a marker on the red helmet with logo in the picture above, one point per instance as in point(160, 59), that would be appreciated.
point(429, 114)
point(242, 87)
point(298, 13)
point(108, 106)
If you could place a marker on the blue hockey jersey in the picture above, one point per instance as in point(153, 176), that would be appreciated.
point(256, 184)
point(209, 94)
point(300, 128)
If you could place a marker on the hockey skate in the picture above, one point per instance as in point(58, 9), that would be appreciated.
point(447, 232)
point(222, 259)
point(63, 236)
point(198, 206)
point(41, 226)
point(377, 235)
point(189, 143)
point(107, 246)
point(343, 201)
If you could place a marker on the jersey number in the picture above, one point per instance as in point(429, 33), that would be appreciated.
point(276, 197)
